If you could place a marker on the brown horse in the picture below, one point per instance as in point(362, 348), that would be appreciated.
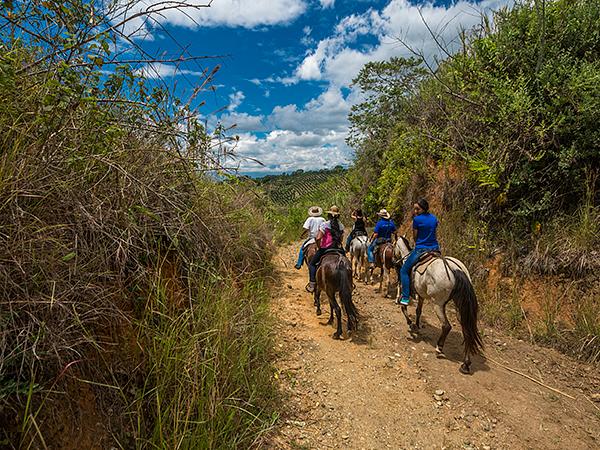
point(384, 260)
point(309, 252)
point(335, 275)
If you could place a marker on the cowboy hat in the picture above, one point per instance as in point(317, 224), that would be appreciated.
point(334, 211)
point(315, 211)
point(384, 213)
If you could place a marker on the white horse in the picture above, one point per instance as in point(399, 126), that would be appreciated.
point(358, 257)
point(442, 280)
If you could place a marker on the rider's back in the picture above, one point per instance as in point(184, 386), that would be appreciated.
point(426, 226)
point(312, 224)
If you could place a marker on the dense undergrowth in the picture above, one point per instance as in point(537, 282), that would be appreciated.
point(133, 305)
point(502, 136)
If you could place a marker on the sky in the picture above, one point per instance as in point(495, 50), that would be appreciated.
point(286, 66)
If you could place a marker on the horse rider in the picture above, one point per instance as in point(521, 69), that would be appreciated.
point(384, 229)
point(359, 228)
point(310, 227)
point(425, 236)
point(329, 236)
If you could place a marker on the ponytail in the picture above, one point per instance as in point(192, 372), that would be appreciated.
point(336, 233)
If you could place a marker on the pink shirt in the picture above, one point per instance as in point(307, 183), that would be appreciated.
point(327, 239)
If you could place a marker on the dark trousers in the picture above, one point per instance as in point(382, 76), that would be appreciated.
point(312, 266)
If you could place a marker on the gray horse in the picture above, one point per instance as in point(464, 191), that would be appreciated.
point(442, 280)
point(358, 257)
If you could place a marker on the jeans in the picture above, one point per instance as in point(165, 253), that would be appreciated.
point(312, 265)
point(412, 259)
point(301, 253)
point(371, 249)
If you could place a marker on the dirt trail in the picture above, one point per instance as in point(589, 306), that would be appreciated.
point(376, 389)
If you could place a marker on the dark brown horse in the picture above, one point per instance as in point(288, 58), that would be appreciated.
point(384, 257)
point(335, 275)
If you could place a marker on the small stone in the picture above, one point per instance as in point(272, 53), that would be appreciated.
point(486, 447)
point(345, 437)
point(595, 397)
point(475, 413)
point(290, 286)
point(440, 392)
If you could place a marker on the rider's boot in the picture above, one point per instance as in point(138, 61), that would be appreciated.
point(403, 301)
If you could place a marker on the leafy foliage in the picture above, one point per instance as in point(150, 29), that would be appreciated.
point(517, 107)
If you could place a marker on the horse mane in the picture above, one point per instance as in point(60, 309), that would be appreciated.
point(406, 243)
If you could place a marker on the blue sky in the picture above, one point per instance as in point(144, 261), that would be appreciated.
point(286, 66)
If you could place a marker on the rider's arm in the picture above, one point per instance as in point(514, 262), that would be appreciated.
point(318, 238)
point(373, 236)
point(304, 233)
point(415, 231)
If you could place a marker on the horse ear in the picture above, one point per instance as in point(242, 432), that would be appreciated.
point(404, 235)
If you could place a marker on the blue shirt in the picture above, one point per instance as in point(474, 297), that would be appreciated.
point(384, 228)
point(426, 226)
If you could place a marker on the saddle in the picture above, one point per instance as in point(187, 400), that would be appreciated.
point(308, 242)
point(329, 251)
point(424, 260)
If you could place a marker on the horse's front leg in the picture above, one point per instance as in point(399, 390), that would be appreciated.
point(386, 274)
point(408, 321)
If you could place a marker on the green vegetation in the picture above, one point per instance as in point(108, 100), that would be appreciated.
point(125, 320)
point(290, 196)
point(503, 138)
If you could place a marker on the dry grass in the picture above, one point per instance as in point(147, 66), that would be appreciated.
point(112, 244)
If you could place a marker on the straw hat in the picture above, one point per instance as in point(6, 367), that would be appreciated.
point(315, 211)
point(384, 213)
point(334, 211)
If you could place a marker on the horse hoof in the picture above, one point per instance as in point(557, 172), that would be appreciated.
point(414, 328)
point(319, 312)
point(464, 369)
point(336, 336)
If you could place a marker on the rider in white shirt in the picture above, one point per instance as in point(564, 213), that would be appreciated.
point(311, 226)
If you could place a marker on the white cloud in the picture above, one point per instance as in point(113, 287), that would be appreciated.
point(335, 60)
point(311, 137)
point(327, 3)
point(230, 13)
point(285, 151)
point(235, 99)
point(160, 70)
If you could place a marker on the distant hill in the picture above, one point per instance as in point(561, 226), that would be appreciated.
point(300, 187)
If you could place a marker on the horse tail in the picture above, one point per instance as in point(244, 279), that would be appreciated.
point(346, 287)
point(465, 300)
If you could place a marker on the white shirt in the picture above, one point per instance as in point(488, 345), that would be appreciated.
point(312, 224)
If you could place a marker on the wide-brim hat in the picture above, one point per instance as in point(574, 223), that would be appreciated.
point(334, 211)
point(315, 211)
point(384, 213)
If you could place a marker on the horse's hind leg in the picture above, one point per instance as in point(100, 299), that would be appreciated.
point(338, 314)
point(440, 311)
point(419, 311)
point(408, 321)
point(317, 296)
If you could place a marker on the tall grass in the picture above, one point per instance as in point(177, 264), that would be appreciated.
point(209, 380)
point(133, 306)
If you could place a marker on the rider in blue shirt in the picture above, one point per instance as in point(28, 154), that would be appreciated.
point(384, 229)
point(425, 235)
